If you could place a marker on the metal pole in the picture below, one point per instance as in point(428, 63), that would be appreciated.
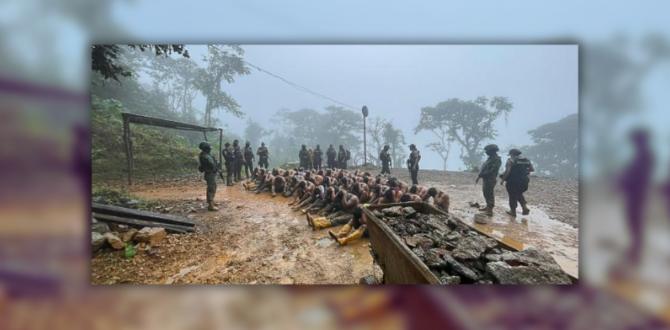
point(365, 139)
point(365, 142)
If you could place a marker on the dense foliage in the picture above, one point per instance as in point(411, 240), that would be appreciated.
point(468, 123)
point(556, 149)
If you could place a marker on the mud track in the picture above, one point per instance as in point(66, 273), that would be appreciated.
point(252, 239)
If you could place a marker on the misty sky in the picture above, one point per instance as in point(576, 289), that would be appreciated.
point(396, 81)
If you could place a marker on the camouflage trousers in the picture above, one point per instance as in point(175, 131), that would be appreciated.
point(414, 173)
point(210, 178)
point(385, 168)
point(487, 188)
point(263, 162)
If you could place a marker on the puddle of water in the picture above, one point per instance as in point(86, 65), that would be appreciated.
point(325, 242)
point(534, 230)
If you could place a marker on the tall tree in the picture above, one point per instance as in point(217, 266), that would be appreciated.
point(335, 125)
point(376, 132)
point(105, 59)
point(396, 141)
point(254, 132)
point(176, 77)
point(468, 123)
point(223, 64)
point(556, 149)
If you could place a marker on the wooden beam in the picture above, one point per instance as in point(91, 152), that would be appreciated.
point(138, 223)
point(142, 215)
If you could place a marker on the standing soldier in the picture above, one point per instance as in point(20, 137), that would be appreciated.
point(385, 157)
point(302, 156)
point(310, 159)
point(263, 156)
point(413, 163)
point(317, 157)
point(228, 158)
point(516, 180)
point(331, 154)
point(489, 173)
point(238, 160)
point(248, 159)
point(208, 166)
point(342, 158)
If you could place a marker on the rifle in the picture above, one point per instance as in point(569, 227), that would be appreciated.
point(219, 170)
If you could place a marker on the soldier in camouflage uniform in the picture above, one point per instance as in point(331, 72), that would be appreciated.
point(331, 155)
point(413, 164)
point(248, 159)
point(228, 158)
point(516, 180)
point(385, 158)
point(263, 156)
point(317, 157)
point(209, 167)
point(238, 159)
point(489, 173)
point(303, 157)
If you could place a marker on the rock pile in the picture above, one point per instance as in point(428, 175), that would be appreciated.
point(118, 237)
point(457, 254)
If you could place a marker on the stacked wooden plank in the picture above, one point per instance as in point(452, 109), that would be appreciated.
point(140, 219)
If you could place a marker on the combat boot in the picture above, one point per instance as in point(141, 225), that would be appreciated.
point(487, 210)
point(525, 208)
point(309, 220)
point(356, 234)
point(320, 223)
point(341, 233)
point(511, 213)
point(211, 207)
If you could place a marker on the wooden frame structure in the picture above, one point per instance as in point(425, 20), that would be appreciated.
point(129, 118)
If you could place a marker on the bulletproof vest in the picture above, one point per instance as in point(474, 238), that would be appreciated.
point(248, 153)
point(520, 168)
point(384, 155)
point(227, 154)
point(263, 152)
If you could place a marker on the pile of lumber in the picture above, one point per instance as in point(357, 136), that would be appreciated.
point(141, 219)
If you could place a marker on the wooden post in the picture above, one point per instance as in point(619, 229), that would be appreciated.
point(126, 141)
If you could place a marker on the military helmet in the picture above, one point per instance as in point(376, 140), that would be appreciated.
point(514, 152)
point(262, 144)
point(204, 146)
point(491, 148)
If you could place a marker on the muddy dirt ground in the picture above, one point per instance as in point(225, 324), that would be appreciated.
point(257, 239)
point(252, 239)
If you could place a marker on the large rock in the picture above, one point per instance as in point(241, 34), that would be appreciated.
point(99, 227)
point(460, 269)
point(394, 211)
point(529, 266)
point(129, 235)
point(450, 280)
point(472, 247)
point(114, 241)
point(437, 224)
point(434, 260)
point(409, 212)
point(150, 235)
point(421, 240)
point(97, 241)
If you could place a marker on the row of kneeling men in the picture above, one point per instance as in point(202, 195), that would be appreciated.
point(334, 197)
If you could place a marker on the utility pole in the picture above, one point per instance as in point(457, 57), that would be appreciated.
point(365, 144)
